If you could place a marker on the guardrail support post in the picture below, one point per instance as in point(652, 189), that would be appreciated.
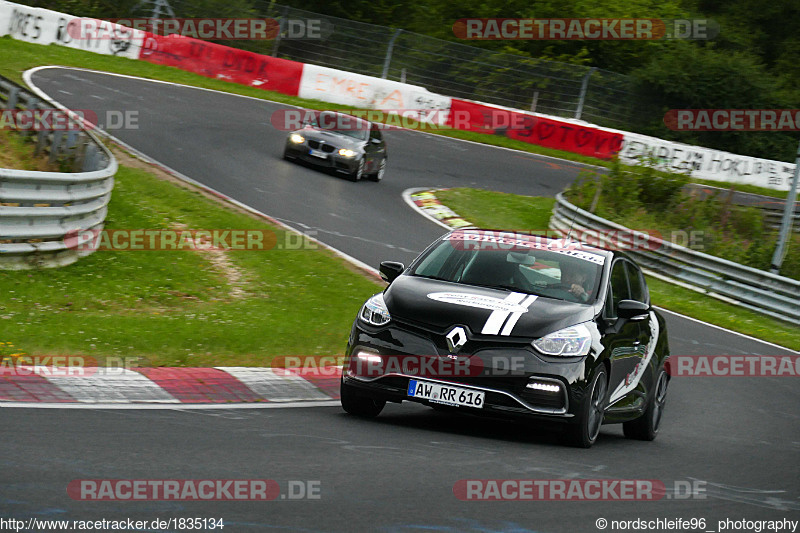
point(55, 148)
point(788, 216)
point(13, 97)
point(582, 98)
point(281, 25)
point(389, 49)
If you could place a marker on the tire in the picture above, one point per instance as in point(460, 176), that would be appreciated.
point(584, 431)
point(646, 426)
point(378, 176)
point(359, 172)
point(358, 405)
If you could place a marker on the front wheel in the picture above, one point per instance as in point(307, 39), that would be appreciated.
point(378, 176)
point(584, 431)
point(646, 426)
point(359, 171)
point(358, 405)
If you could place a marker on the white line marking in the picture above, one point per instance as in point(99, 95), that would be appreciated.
point(172, 406)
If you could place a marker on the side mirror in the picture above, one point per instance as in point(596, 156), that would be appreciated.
point(390, 270)
point(631, 309)
point(373, 140)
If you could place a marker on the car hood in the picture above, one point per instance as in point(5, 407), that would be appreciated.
point(439, 305)
point(339, 140)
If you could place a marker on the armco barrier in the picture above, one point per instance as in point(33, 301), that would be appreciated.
point(527, 127)
point(38, 210)
point(222, 62)
point(761, 291)
point(358, 90)
point(42, 26)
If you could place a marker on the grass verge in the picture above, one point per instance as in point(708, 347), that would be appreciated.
point(501, 210)
point(181, 307)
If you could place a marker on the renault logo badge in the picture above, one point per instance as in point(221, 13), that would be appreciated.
point(456, 338)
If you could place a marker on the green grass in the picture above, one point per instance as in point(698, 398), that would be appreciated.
point(496, 210)
point(176, 308)
point(509, 211)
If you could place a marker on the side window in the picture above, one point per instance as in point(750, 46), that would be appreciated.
point(375, 133)
point(619, 287)
point(638, 286)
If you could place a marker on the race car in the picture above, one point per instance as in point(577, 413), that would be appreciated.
point(340, 142)
point(513, 325)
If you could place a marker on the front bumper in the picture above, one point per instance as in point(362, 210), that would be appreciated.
point(503, 370)
point(331, 159)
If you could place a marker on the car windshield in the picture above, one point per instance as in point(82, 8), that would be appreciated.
point(560, 274)
point(341, 123)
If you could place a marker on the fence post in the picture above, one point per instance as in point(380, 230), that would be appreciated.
point(281, 24)
point(788, 218)
point(389, 53)
point(582, 98)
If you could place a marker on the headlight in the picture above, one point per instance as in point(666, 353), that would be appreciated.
point(347, 153)
point(375, 312)
point(297, 139)
point(571, 341)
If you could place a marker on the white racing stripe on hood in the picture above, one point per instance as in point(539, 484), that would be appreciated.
point(496, 320)
point(512, 320)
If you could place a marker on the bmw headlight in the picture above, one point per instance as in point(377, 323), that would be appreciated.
point(374, 312)
point(347, 152)
point(571, 341)
point(296, 138)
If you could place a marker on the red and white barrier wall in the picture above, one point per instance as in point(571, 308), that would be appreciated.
point(42, 26)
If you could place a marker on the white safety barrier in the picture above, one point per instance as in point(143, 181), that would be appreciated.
point(42, 26)
point(367, 92)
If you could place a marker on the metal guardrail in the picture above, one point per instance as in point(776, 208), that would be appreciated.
point(764, 292)
point(771, 207)
point(39, 210)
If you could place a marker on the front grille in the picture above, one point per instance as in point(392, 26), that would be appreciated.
point(313, 144)
point(327, 148)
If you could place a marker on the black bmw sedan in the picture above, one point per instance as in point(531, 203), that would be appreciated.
point(343, 143)
point(513, 325)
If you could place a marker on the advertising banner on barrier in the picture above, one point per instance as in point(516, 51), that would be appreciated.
point(367, 92)
point(224, 63)
point(535, 129)
point(42, 26)
point(706, 163)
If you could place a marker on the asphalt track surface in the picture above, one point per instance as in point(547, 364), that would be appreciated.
point(739, 438)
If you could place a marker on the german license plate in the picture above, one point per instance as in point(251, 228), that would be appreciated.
point(445, 394)
point(318, 153)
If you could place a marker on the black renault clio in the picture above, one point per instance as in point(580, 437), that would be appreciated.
point(513, 325)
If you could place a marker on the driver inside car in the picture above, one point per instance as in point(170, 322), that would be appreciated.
point(574, 277)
